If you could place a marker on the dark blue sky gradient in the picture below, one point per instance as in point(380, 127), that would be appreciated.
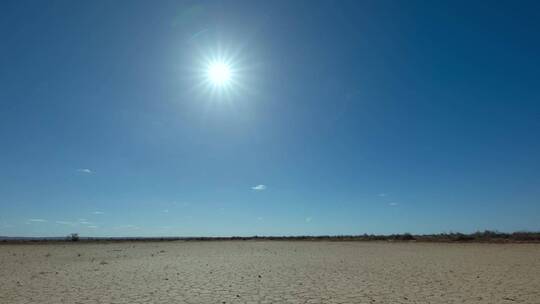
point(357, 116)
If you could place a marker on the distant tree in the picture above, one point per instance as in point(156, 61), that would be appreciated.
point(407, 237)
point(74, 237)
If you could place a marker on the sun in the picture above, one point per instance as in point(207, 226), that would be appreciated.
point(219, 73)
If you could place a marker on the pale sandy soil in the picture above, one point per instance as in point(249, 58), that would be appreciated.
point(270, 272)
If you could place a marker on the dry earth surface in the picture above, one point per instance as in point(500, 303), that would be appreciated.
point(269, 272)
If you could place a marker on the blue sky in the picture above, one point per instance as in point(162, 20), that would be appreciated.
point(345, 117)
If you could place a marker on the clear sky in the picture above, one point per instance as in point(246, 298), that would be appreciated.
point(340, 117)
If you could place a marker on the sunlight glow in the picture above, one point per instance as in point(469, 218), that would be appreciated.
point(219, 73)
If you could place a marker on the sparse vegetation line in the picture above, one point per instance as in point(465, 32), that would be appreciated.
point(477, 237)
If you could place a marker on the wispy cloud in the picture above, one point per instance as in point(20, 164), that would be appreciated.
point(260, 218)
point(259, 187)
point(5, 225)
point(66, 223)
point(165, 211)
point(34, 220)
point(97, 212)
point(92, 227)
point(127, 227)
point(393, 204)
point(85, 170)
point(309, 219)
point(382, 194)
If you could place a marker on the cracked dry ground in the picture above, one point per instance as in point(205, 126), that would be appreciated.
point(269, 272)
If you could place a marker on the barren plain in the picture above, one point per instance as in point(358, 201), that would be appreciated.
point(269, 272)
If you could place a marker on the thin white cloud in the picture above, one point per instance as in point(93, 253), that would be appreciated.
point(86, 223)
point(393, 204)
point(34, 220)
point(126, 227)
point(260, 218)
point(309, 219)
point(97, 212)
point(5, 225)
point(382, 194)
point(259, 187)
point(92, 227)
point(85, 170)
point(65, 223)
point(166, 211)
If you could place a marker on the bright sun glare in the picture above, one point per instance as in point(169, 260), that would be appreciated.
point(219, 73)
